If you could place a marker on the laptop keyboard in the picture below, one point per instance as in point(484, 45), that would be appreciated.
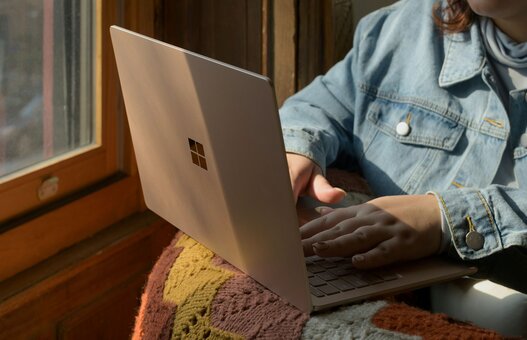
point(328, 276)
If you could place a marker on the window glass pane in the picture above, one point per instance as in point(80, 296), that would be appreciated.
point(46, 80)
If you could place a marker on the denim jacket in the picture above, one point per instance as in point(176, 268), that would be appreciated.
point(415, 110)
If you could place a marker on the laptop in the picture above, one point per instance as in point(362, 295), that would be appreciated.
point(212, 162)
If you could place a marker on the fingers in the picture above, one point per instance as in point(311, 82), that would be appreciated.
point(298, 183)
point(361, 240)
point(320, 189)
point(322, 210)
point(300, 172)
point(326, 221)
point(383, 254)
point(376, 250)
point(306, 178)
point(377, 233)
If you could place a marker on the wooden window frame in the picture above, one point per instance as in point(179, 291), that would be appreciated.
point(99, 184)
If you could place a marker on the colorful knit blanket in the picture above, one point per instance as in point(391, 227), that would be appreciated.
point(192, 293)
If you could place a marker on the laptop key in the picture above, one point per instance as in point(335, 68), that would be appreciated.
point(315, 281)
point(342, 285)
point(313, 268)
point(327, 276)
point(355, 281)
point(328, 290)
point(313, 259)
point(340, 271)
point(327, 265)
point(316, 292)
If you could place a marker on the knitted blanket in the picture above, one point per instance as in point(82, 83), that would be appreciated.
point(192, 293)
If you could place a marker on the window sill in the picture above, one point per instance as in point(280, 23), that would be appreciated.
point(47, 234)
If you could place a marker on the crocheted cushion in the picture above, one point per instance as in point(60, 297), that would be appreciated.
point(193, 293)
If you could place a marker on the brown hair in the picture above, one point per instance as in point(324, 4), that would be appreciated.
point(454, 17)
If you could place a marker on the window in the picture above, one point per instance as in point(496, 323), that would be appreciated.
point(50, 121)
point(46, 80)
point(57, 131)
point(66, 162)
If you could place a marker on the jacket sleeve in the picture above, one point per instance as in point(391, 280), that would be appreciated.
point(499, 215)
point(317, 122)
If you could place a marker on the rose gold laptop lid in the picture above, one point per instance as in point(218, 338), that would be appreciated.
point(211, 158)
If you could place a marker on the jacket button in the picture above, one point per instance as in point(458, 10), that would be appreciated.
point(523, 140)
point(402, 129)
point(474, 240)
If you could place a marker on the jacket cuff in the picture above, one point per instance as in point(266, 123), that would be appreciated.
point(305, 144)
point(446, 238)
point(471, 223)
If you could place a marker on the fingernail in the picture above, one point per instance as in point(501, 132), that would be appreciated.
point(358, 258)
point(323, 210)
point(321, 245)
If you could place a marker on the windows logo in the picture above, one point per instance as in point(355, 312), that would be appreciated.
point(197, 153)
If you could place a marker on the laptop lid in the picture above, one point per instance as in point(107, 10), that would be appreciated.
point(211, 158)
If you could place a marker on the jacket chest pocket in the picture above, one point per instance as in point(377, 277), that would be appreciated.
point(408, 143)
point(520, 168)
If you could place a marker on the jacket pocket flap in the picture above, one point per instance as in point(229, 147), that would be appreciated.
point(419, 126)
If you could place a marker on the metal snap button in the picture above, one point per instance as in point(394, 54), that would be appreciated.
point(402, 129)
point(473, 239)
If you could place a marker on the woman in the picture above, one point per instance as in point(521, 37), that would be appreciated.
point(430, 106)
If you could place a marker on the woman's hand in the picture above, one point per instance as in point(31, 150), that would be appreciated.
point(307, 179)
point(379, 232)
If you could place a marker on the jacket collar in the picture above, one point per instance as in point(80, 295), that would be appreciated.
point(464, 57)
